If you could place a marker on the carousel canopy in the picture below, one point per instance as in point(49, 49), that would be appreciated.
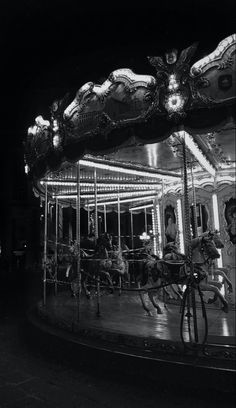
point(130, 129)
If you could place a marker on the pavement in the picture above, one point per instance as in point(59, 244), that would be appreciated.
point(29, 377)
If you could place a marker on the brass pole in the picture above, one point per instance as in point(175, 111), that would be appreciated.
point(118, 214)
point(45, 245)
point(132, 228)
point(88, 219)
point(163, 215)
point(96, 237)
point(145, 219)
point(78, 240)
point(56, 245)
point(194, 205)
point(105, 219)
point(119, 237)
point(96, 208)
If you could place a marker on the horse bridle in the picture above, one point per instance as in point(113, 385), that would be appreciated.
point(205, 255)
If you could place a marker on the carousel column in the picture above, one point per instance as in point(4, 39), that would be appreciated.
point(78, 240)
point(119, 234)
point(45, 245)
point(105, 218)
point(132, 229)
point(216, 218)
point(88, 218)
point(180, 225)
point(118, 215)
point(145, 219)
point(96, 207)
point(195, 232)
point(56, 245)
point(156, 233)
point(162, 220)
point(96, 237)
point(191, 300)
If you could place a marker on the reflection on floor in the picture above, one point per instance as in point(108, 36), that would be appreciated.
point(124, 315)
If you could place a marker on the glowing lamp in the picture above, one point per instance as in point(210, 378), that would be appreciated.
point(144, 236)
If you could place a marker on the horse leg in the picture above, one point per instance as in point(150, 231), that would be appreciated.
point(108, 278)
point(225, 279)
point(142, 300)
point(217, 293)
point(170, 292)
point(155, 304)
point(84, 286)
point(176, 290)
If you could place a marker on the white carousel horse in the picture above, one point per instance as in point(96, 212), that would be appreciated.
point(157, 273)
point(217, 271)
point(120, 266)
point(203, 254)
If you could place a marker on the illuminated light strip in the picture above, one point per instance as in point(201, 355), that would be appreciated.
point(127, 171)
point(154, 228)
point(141, 207)
point(193, 147)
point(104, 185)
point(215, 212)
point(180, 220)
point(217, 225)
point(159, 230)
point(104, 195)
point(123, 201)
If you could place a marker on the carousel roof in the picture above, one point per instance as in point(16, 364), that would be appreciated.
point(131, 127)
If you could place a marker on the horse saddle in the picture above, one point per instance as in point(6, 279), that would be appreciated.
point(175, 268)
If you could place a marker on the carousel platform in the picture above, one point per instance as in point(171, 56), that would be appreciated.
point(123, 339)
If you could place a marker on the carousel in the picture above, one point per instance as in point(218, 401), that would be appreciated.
point(136, 180)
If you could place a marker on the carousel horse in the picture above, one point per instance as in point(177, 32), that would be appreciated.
point(159, 273)
point(217, 271)
point(120, 266)
point(207, 262)
point(93, 267)
point(171, 254)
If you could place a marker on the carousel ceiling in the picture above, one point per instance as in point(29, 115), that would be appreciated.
point(131, 129)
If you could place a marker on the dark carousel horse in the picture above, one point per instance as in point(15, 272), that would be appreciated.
point(157, 274)
point(92, 267)
point(106, 264)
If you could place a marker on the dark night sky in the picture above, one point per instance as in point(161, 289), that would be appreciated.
point(51, 47)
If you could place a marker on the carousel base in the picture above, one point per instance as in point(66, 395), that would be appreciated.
point(123, 340)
